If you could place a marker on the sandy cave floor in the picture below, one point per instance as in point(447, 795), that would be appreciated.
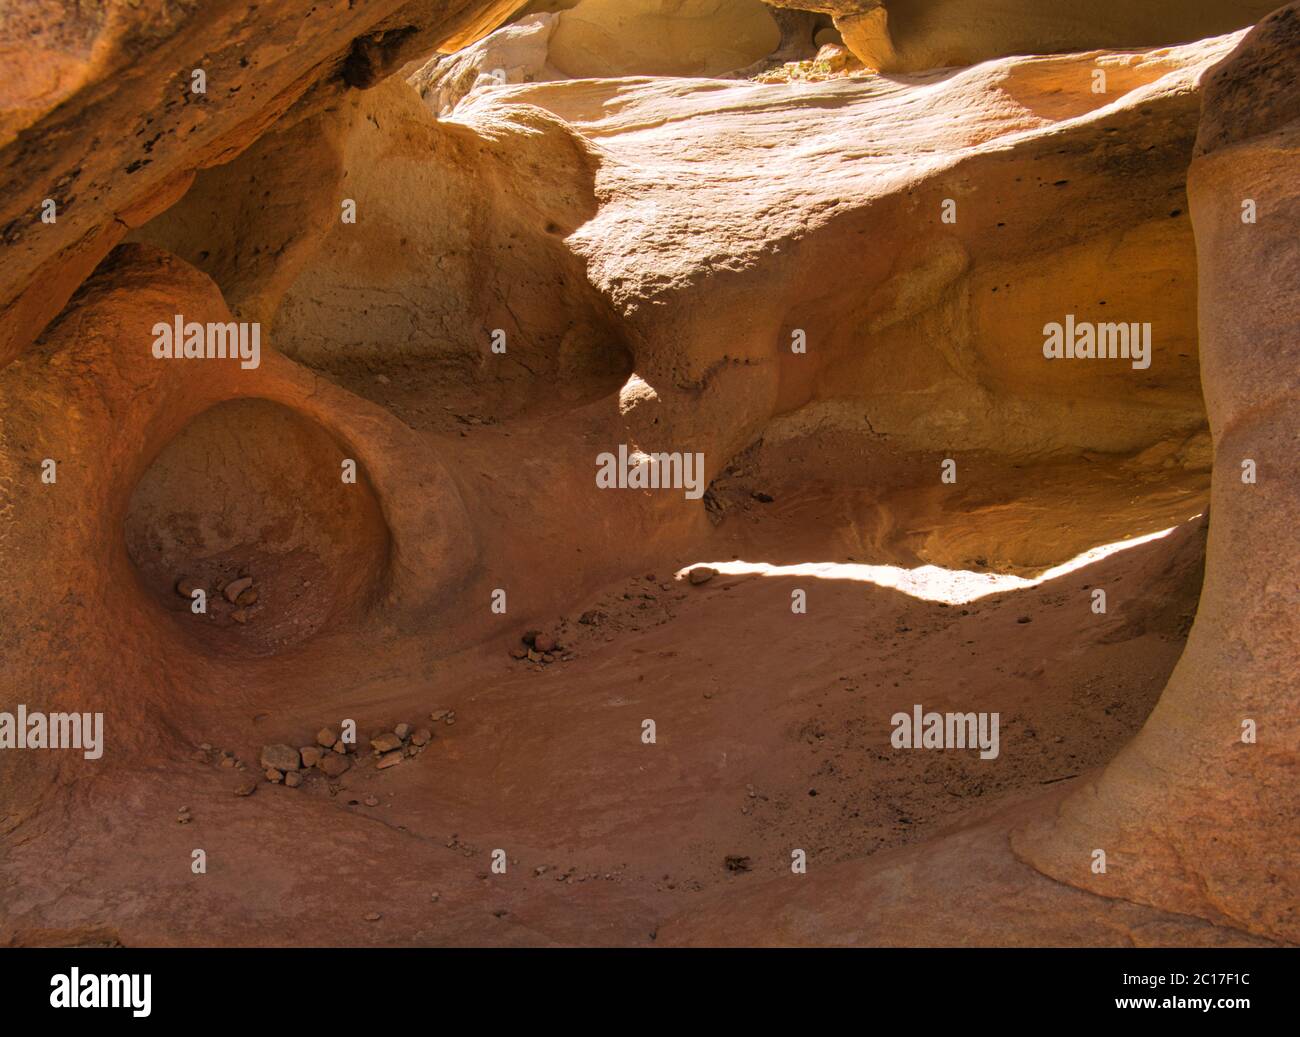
point(772, 735)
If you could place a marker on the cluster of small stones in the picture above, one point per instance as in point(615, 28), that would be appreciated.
point(330, 755)
point(283, 764)
point(541, 648)
point(831, 62)
point(207, 753)
point(646, 601)
point(240, 593)
point(389, 748)
point(573, 875)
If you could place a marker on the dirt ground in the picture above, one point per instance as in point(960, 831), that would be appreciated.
point(772, 734)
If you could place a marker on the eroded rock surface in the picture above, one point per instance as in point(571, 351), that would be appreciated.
point(101, 115)
point(1192, 813)
point(715, 247)
point(911, 35)
point(468, 292)
point(658, 37)
point(517, 53)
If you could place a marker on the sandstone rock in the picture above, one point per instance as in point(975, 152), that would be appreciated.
point(802, 34)
point(334, 765)
point(651, 246)
point(274, 775)
point(235, 588)
point(385, 742)
point(293, 779)
point(403, 731)
point(954, 263)
point(1183, 799)
point(326, 737)
point(603, 38)
point(701, 574)
point(391, 759)
point(311, 755)
point(422, 737)
point(69, 84)
point(281, 757)
point(245, 788)
point(544, 643)
point(1180, 835)
point(516, 53)
point(912, 35)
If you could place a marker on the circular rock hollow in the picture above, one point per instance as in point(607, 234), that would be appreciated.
point(253, 491)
